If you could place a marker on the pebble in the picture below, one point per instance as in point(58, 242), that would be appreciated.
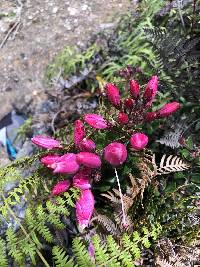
point(72, 11)
point(55, 10)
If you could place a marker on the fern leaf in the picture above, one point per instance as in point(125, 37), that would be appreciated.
point(171, 164)
point(114, 251)
point(13, 249)
point(61, 258)
point(82, 255)
point(101, 255)
point(3, 256)
point(107, 224)
point(132, 246)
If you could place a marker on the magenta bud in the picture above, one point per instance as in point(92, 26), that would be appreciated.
point(151, 116)
point(79, 132)
point(81, 179)
point(85, 208)
point(96, 121)
point(81, 183)
point(88, 159)
point(113, 94)
point(134, 89)
point(49, 160)
point(87, 145)
point(139, 141)
point(115, 153)
point(67, 164)
point(168, 109)
point(128, 102)
point(61, 187)
point(150, 91)
point(46, 142)
point(122, 118)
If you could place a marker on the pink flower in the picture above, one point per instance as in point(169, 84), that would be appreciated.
point(49, 160)
point(134, 89)
point(151, 116)
point(79, 132)
point(168, 109)
point(81, 179)
point(87, 145)
point(128, 102)
point(88, 159)
point(113, 94)
point(67, 164)
point(81, 182)
point(85, 208)
point(45, 142)
point(150, 91)
point(96, 121)
point(115, 153)
point(122, 118)
point(61, 187)
point(139, 141)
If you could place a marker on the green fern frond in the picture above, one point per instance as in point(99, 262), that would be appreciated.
point(3, 256)
point(61, 258)
point(81, 253)
point(13, 248)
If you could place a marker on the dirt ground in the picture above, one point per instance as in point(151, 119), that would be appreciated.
point(33, 31)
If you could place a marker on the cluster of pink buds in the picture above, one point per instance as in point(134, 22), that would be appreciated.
point(80, 164)
point(134, 110)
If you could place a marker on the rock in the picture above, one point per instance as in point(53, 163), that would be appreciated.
point(4, 159)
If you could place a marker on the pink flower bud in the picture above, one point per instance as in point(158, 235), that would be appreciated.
point(79, 132)
point(80, 182)
point(45, 142)
point(113, 94)
point(49, 160)
point(67, 164)
point(82, 179)
point(139, 141)
point(168, 109)
point(85, 208)
point(150, 91)
point(96, 121)
point(87, 145)
point(122, 118)
point(128, 102)
point(150, 116)
point(134, 89)
point(115, 153)
point(88, 159)
point(61, 187)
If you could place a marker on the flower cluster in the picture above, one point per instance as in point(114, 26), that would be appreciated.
point(134, 110)
point(80, 166)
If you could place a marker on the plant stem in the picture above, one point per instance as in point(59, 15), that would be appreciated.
point(121, 197)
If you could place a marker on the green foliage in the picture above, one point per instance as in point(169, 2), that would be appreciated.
point(60, 257)
point(69, 62)
point(3, 257)
point(25, 129)
point(42, 218)
point(130, 46)
point(107, 252)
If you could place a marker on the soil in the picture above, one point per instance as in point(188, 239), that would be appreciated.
point(36, 30)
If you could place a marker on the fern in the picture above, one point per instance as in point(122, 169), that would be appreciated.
point(60, 257)
point(171, 164)
point(3, 256)
point(82, 255)
point(13, 248)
